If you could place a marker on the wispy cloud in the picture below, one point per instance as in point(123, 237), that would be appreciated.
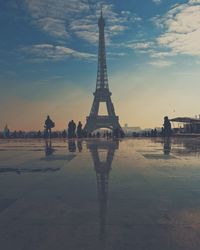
point(157, 1)
point(181, 29)
point(161, 63)
point(78, 18)
point(53, 16)
point(139, 45)
point(161, 54)
point(44, 52)
point(53, 26)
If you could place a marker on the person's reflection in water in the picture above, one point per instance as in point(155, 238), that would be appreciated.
point(72, 145)
point(103, 169)
point(48, 148)
point(167, 146)
point(79, 146)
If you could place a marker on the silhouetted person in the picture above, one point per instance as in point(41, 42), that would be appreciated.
point(64, 134)
point(21, 134)
point(154, 133)
point(39, 134)
point(98, 135)
point(71, 146)
point(85, 135)
point(14, 135)
point(167, 131)
point(71, 129)
point(79, 130)
point(49, 124)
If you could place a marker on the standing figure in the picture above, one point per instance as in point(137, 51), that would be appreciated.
point(71, 129)
point(64, 134)
point(167, 131)
point(49, 124)
point(79, 130)
point(98, 135)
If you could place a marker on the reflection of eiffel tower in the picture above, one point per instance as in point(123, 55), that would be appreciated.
point(102, 169)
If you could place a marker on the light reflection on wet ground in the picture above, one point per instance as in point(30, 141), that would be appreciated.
point(97, 194)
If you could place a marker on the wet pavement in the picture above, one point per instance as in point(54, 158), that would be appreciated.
point(134, 194)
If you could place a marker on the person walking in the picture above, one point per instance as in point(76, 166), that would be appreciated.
point(49, 124)
point(79, 130)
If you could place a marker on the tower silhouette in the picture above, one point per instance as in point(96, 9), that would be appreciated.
point(102, 93)
point(102, 169)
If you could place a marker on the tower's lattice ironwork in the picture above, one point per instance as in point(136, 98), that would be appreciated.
point(102, 93)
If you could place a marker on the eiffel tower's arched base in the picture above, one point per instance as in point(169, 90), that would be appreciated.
point(97, 122)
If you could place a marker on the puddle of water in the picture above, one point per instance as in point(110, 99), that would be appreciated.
point(99, 194)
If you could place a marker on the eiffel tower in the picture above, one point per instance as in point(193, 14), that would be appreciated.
point(102, 169)
point(102, 93)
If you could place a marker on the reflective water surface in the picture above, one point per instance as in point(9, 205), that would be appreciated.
point(98, 194)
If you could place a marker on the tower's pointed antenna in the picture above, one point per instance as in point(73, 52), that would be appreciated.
point(101, 10)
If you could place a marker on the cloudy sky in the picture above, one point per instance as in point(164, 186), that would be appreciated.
point(48, 60)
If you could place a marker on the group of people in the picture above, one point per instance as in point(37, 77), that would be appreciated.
point(77, 131)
